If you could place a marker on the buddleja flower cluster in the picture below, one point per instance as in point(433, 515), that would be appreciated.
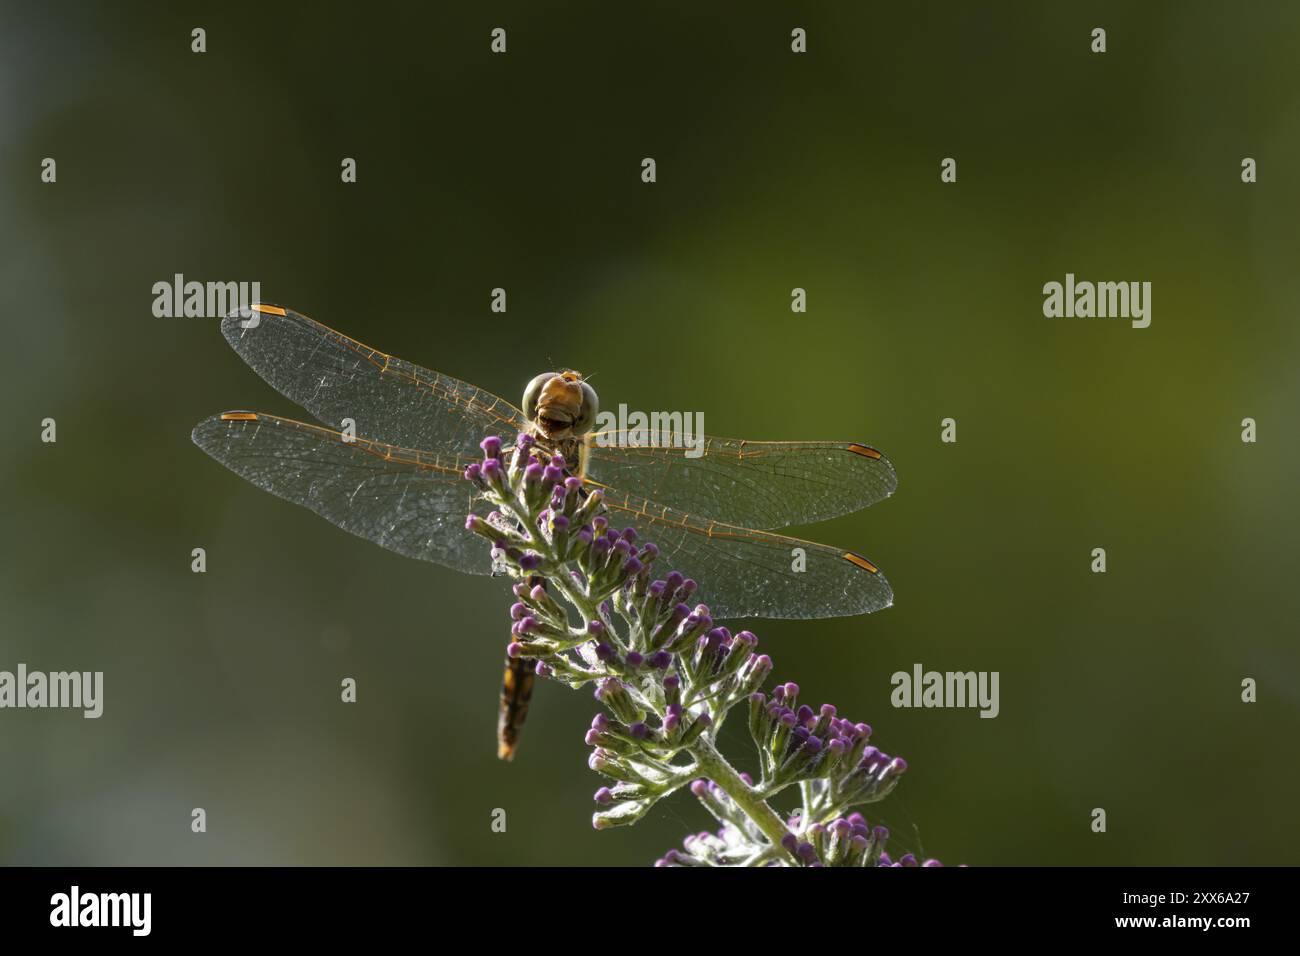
point(592, 611)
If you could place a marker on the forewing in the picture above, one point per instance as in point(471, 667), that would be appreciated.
point(391, 400)
point(750, 484)
point(408, 501)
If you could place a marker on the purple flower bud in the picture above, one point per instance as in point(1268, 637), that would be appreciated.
point(514, 649)
point(649, 552)
point(518, 610)
point(674, 580)
point(524, 441)
point(595, 628)
point(600, 722)
point(634, 659)
point(699, 787)
point(790, 842)
point(806, 853)
point(544, 669)
point(592, 738)
point(605, 653)
point(632, 566)
point(638, 731)
point(660, 660)
point(572, 485)
point(471, 472)
point(552, 475)
point(530, 561)
point(491, 446)
point(805, 715)
point(604, 796)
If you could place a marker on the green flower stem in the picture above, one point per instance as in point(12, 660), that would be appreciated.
point(713, 765)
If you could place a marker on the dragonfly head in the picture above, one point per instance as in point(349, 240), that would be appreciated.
point(561, 404)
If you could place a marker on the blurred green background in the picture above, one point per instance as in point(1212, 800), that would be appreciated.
point(775, 171)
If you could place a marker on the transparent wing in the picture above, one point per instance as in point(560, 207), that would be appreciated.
point(408, 501)
point(745, 573)
point(335, 377)
point(747, 483)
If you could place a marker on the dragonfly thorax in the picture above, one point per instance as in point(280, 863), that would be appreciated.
point(572, 449)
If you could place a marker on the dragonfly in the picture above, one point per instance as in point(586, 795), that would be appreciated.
point(385, 458)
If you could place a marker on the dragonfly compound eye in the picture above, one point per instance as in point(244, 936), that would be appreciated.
point(533, 392)
point(588, 412)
